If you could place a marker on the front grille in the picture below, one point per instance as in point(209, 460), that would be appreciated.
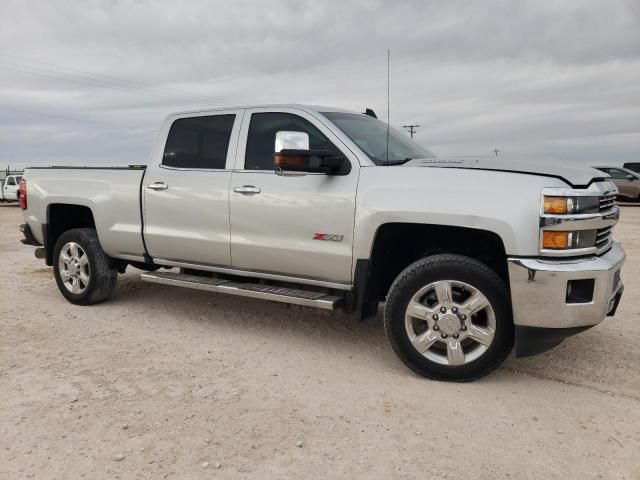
point(607, 201)
point(603, 239)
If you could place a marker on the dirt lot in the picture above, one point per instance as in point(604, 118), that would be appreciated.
point(162, 382)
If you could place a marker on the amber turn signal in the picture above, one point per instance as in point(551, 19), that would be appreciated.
point(556, 240)
point(556, 205)
point(290, 160)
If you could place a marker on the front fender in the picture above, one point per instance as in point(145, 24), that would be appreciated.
point(507, 204)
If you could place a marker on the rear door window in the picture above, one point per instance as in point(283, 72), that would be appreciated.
point(199, 142)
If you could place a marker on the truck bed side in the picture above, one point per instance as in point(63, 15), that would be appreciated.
point(111, 194)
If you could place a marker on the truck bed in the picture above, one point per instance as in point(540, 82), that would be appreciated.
point(111, 193)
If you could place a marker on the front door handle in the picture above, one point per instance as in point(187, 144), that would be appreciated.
point(158, 186)
point(247, 190)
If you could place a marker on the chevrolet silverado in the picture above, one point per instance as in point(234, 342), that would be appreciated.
point(327, 208)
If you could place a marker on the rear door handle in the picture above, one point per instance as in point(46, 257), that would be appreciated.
point(158, 186)
point(247, 190)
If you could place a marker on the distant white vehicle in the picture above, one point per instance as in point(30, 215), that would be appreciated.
point(10, 188)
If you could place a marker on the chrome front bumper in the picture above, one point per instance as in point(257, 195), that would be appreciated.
point(539, 289)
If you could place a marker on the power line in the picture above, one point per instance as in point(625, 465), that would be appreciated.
point(109, 82)
point(63, 117)
point(412, 129)
point(94, 82)
point(115, 81)
point(112, 79)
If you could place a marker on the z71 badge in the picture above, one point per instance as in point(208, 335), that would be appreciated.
point(329, 237)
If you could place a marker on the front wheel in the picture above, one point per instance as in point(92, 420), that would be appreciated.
point(448, 317)
point(84, 273)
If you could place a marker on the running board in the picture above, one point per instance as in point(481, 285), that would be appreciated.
point(265, 292)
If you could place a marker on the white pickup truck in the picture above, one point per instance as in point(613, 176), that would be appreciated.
point(326, 208)
point(9, 188)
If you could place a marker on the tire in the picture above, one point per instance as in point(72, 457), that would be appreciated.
point(482, 340)
point(93, 270)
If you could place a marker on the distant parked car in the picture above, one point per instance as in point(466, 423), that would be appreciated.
point(634, 166)
point(627, 181)
point(10, 188)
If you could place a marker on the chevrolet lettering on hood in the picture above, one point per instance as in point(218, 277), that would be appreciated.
point(573, 174)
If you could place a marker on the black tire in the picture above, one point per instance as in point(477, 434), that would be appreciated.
point(103, 272)
point(455, 268)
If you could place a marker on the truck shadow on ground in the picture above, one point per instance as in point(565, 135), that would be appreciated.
point(251, 314)
point(364, 341)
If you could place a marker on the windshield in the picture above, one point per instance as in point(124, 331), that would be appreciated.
point(370, 134)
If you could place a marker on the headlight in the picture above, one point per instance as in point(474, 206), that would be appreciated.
point(577, 222)
point(555, 205)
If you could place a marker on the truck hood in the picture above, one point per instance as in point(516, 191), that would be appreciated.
point(574, 174)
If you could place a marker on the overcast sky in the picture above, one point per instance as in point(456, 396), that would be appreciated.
point(90, 82)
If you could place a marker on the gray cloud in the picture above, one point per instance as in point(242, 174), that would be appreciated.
point(552, 79)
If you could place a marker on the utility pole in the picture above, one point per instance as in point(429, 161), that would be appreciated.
point(412, 129)
point(496, 151)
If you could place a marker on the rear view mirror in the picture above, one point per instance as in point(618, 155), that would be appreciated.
point(293, 157)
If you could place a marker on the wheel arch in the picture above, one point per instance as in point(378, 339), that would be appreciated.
point(60, 218)
point(397, 245)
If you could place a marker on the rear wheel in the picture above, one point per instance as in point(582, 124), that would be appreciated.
point(448, 317)
point(84, 273)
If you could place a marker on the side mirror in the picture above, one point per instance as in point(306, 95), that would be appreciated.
point(293, 157)
point(291, 141)
point(631, 177)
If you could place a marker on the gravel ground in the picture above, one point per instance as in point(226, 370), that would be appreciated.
point(162, 382)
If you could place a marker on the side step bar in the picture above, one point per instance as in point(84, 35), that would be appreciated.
point(253, 290)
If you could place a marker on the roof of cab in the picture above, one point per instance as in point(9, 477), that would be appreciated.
point(308, 108)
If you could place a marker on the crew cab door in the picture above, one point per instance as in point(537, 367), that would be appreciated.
point(185, 190)
point(299, 226)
